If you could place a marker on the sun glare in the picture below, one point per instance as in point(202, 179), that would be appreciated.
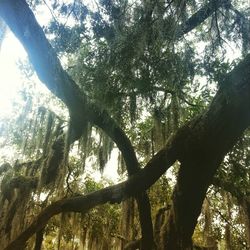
point(10, 75)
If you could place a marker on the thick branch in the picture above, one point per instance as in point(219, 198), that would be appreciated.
point(132, 187)
point(200, 16)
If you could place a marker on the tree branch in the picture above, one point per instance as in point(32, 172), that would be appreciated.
point(114, 194)
point(199, 17)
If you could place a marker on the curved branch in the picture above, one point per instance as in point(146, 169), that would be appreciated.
point(135, 185)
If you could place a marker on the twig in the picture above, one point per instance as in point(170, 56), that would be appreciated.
point(52, 13)
point(228, 222)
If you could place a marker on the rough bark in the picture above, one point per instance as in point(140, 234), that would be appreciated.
point(39, 239)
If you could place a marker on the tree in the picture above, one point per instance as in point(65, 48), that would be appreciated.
point(199, 144)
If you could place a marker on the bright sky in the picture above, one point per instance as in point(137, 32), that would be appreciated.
point(11, 82)
point(11, 52)
point(10, 76)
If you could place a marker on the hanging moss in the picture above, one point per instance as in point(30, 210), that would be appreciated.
point(245, 29)
point(48, 132)
point(85, 144)
point(104, 150)
point(132, 107)
point(159, 128)
point(23, 183)
point(52, 163)
point(168, 128)
point(208, 237)
point(175, 107)
point(15, 196)
point(4, 168)
point(127, 220)
point(9, 217)
point(159, 221)
point(32, 168)
point(24, 123)
point(34, 138)
point(121, 164)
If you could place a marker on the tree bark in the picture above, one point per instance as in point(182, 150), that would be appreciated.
point(39, 239)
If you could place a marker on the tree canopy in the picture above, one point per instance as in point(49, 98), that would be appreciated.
point(166, 84)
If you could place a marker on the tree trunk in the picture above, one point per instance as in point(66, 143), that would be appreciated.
point(228, 227)
point(208, 238)
point(127, 221)
point(246, 214)
point(39, 239)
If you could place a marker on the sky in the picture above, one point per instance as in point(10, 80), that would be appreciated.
point(10, 76)
point(11, 82)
